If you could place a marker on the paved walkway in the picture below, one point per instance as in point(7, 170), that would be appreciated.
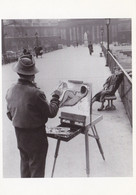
point(114, 130)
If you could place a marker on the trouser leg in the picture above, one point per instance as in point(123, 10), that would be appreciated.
point(37, 162)
point(102, 96)
point(93, 99)
point(33, 145)
point(24, 164)
point(102, 107)
point(102, 101)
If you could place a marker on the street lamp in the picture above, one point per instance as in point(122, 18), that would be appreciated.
point(3, 47)
point(102, 31)
point(36, 35)
point(4, 24)
point(26, 41)
point(107, 24)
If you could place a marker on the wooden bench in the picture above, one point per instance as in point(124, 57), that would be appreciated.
point(110, 98)
point(110, 105)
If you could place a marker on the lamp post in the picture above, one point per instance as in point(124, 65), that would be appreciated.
point(4, 48)
point(102, 31)
point(36, 36)
point(26, 41)
point(3, 38)
point(3, 24)
point(107, 24)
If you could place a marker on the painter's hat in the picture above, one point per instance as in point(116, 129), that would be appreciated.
point(25, 65)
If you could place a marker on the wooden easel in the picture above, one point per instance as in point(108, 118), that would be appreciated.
point(77, 126)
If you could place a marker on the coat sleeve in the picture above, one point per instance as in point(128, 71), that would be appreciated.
point(48, 110)
point(106, 84)
point(8, 111)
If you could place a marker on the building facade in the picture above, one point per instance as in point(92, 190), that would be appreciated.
point(19, 34)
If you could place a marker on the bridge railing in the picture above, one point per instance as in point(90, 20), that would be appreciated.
point(125, 89)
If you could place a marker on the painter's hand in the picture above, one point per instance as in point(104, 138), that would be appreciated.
point(57, 93)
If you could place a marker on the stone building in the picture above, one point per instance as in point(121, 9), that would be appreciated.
point(48, 33)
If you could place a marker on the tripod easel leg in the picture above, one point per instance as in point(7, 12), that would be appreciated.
point(55, 156)
point(87, 154)
point(97, 140)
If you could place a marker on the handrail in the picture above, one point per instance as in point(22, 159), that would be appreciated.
point(125, 89)
point(126, 74)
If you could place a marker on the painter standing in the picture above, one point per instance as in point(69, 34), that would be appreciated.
point(29, 111)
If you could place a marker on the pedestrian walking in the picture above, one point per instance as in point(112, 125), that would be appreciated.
point(90, 47)
point(38, 51)
point(28, 109)
point(24, 51)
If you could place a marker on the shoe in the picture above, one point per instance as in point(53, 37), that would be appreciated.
point(100, 109)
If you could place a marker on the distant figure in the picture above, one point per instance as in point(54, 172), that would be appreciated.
point(90, 47)
point(109, 88)
point(24, 51)
point(38, 51)
point(71, 97)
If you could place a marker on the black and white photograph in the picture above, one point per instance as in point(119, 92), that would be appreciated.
point(38, 55)
point(67, 102)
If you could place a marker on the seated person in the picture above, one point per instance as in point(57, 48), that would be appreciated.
point(109, 88)
point(70, 97)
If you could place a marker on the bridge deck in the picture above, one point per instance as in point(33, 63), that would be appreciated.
point(114, 130)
